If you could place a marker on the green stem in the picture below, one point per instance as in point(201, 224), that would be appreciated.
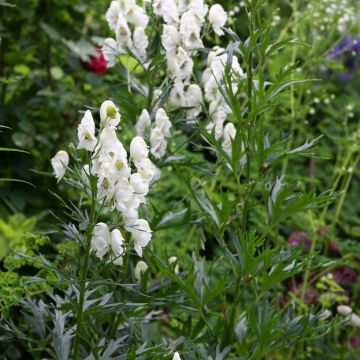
point(340, 203)
point(85, 267)
point(309, 264)
point(292, 96)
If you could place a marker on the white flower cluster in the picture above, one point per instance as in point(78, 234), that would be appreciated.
point(212, 79)
point(158, 132)
point(183, 23)
point(121, 184)
point(128, 20)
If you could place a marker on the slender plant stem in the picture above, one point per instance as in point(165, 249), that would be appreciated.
point(83, 277)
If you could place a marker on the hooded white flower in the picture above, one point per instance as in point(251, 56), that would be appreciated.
point(229, 135)
point(105, 184)
point(138, 149)
point(100, 239)
point(123, 195)
point(140, 268)
point(117, 246)
point(140, 42)
point(139, 184)
point(109, 146)
point(170, 38)
point(176, 356)
point(109, 114)
point(177, 93)
point(194, 100)
point(158, 143)
point(59, 163)
point(180, 65)
point(143, 124)
point(148, 170)
point(86, 132)
point(162, 122)
point(135, 14)
point(141, 235)
point(217, 18)
point(112, 14)
point(348, 311)
point(122, 33)
point(190, 31)
point(110, 51)
point(168, 10)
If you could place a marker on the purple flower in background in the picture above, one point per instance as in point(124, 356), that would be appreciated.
point(344, 274)
point(343, 46)
point(348, 51)
point(297, 238)
point(354, 342)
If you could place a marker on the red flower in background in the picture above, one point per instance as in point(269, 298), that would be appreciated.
point(354, 342)
point(96, 64)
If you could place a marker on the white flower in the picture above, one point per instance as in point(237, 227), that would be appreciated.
point(180, 65)
point(86, 132)
point(105, 184)
point(170, 38)
point(162, 122)
point(109, 145)
point(140, 268)
point(100, 239)
point(148, 170)
point(217, 18)
point(190, 31)
point(138, 149)
point(109, 113)
point(139, 184)
point(140, 41)
point(194, 100)
point(229, 135)
point(123, 195)
point(112, 14)
point(59, 163)
point(135, 14)
point(177, 93)
point(141, 235)
point(176, 356)
point(122, 32)
point(168, 10)
point(110, 51)
point(348, 311)
point(158, 143)
point(117, 242)
point(143, 124)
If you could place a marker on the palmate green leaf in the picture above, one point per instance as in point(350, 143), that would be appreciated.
point(283, 202)
point(277, 88)
point(278, 152)
point(275, 46)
